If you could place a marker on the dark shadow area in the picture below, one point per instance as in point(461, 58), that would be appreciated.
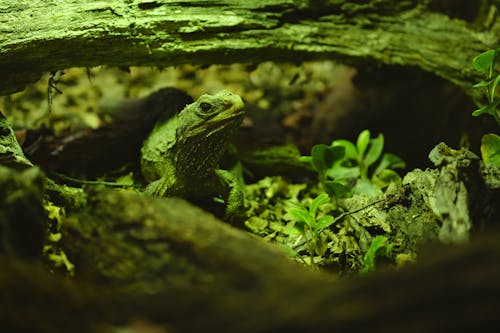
point(413, 109)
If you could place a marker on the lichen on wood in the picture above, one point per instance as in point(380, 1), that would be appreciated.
point(47, 36)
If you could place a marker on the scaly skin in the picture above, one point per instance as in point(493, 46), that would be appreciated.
point(180, 157)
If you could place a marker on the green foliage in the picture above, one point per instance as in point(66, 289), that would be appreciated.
point(323, 158)
point(51, 250)
point(490, 149)
point(485, 63)
point(490, 143)
point(311, 224)
point(379, 247)
point(344, 167)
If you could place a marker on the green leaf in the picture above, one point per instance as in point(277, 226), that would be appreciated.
point(321, 199)
point(490, 149)
point(337, 189)
point(367, 188)
point(485, 109)
point(318, 157)
point(490, 109)
point(378, 243)
point(323, 156)
point(385, 177)
point(351, 152)
point(483, 84)
point(297, 205)
point(299, 212)
point(334, 154)
point(376, 147)
point(300, 226)
point(484, 61)
point(324, 222)
point(494, 87)
point(301, 216)
point(389, 161)
point(339, 172)
point(292, 229)
point(362, 142)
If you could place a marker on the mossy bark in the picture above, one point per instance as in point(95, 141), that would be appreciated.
point(141, 243)
point(451, 288)
point(47, 36)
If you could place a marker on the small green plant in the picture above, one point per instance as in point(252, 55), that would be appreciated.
point(311, 224)
point(379, 247)
point(490, 143)
point(344, 167)
point(490, 149)
point(485, 63)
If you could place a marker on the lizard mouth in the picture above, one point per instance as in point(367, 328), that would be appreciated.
point(218, 124)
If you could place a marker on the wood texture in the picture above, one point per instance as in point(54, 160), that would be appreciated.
point(451, 289)
point(40, 36)
point(141, 243)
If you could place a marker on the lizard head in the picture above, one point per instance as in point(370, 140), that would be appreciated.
point(204, 130)
point(211, 115)
point(188, 147)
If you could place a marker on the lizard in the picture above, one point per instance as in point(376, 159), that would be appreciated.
point(180, 157)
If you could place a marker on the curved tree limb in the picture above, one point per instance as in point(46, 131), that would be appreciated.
point(40, 36)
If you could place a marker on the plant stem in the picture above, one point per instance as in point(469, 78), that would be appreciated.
point(311, 247)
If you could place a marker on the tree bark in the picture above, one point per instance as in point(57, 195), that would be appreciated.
point(451, 289)
point(51, 35)
point(141, 243)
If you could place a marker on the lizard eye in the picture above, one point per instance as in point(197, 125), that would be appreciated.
point(205, 107)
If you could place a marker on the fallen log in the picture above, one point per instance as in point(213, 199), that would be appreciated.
point(141, 243)
point(451, 288)
point(47, 36)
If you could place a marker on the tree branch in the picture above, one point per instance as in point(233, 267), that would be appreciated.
point(40, 36)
